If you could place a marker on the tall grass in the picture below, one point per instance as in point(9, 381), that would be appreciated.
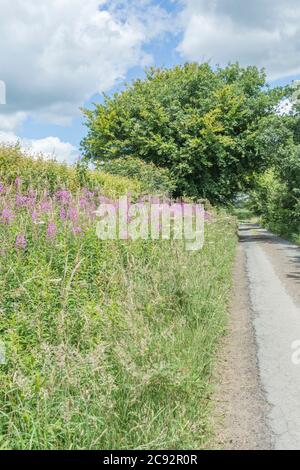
point(109, 344)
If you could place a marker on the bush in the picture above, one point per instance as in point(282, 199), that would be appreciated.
point(152, 179)
point(40, 173)
point(277, 202)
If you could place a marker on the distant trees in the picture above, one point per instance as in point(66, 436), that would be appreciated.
point(276, 194)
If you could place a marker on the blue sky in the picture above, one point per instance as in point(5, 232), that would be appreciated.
point(163, 51)
point(58, 56)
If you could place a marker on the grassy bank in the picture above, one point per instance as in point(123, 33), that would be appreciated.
point(42, 173)
point(109, 344)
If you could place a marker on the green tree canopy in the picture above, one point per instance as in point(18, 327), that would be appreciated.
point(199, 123)
point(276, 192)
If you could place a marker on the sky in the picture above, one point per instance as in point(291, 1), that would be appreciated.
point(57, 56)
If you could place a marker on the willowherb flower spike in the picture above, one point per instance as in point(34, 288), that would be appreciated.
point(73, 214)
point(63, 196)
point(7, 216)
point(21, 242)
point(18, 182)
point(62, 214)
point(51, 231)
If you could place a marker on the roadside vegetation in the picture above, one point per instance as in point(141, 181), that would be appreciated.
point(109, 344)
point(209, 128)
point(218, 132)
point(42, 173)
point(275, 197)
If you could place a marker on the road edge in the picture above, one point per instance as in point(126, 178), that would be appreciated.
point(240, 408)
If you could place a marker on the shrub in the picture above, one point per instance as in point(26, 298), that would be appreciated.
point(277, 201)
point(151, 178)
point(40, 173)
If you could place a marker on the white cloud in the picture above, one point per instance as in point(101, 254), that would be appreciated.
point(261, 32)
point(53, 147)
point(9, 122)
point(49, 147)
point(2, 92)
point(55, 54)
point(8, 138)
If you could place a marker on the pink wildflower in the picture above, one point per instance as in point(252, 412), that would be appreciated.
point(62, 214)
point(45, 206)
point(63, 196)
point(32, 193)
point(7, 216)
point(76, 230)
point(34, 215)
point(21, 201)
point(51, 231)
point(18, 182)
point(21, 242)
point(83, 202)
point(73, 214)
point(87, 193)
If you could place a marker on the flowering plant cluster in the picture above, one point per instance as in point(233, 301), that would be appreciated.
point(31, 214)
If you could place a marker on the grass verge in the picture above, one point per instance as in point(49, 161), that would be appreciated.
point(109, 344)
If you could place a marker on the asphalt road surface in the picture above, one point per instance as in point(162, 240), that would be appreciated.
point(258, 398)
point(273, 268)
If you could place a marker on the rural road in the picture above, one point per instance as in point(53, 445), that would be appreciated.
point(259, 393)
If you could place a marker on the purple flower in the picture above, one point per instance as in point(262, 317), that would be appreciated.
point(34, 215)
point(87, 193)
point(18, 182)
point(83, 202)
point(31, 198)
point(45, 206)
point(32, 193)
point(62, 214)
point(2, 188)
point(63, 196)
point(90, 210)
point(21, 242)
point(21, 201)
point(51, 231)
point(7, 216)
point(76, 230)
point(73, 214)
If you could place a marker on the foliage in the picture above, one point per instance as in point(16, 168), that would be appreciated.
point(276, 197)
point(109, 344)
point(151, 178)
point(199, 123)
point(40, 173)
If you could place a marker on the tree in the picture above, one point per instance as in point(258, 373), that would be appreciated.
point(199, 123)
point(276, 193)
